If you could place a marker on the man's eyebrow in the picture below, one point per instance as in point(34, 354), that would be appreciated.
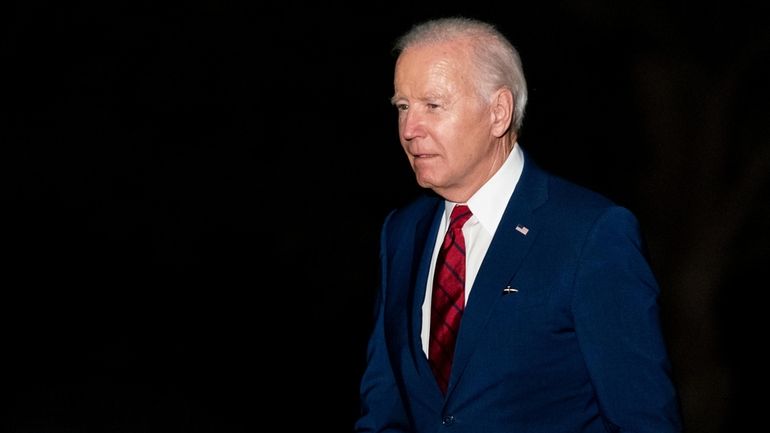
point(433, 96)
point(427, 97)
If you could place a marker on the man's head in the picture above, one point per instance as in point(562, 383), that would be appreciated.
point(460, 94)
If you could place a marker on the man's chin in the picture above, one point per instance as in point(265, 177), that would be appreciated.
point(425, 183)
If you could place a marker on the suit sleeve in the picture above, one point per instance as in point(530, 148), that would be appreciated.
point(382, 409)
point(615, 306)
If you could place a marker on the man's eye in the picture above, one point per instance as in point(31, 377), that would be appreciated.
point(402, 107)
point(432, 106)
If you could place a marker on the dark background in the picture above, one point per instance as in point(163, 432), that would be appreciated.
point(196, 190)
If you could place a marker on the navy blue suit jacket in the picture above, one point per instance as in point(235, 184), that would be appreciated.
point(578, 348)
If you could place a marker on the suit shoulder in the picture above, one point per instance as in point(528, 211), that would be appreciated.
point(577, 213)
point(404, 222)
point(579, 203)
point(419, 207)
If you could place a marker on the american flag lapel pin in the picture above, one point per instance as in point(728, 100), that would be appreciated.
point(521, 229)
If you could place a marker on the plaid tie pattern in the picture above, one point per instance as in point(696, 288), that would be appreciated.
point(448, 299)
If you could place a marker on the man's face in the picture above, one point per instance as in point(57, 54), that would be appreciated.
point(444, 125)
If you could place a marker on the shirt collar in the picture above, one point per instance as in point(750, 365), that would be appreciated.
point(489, 202)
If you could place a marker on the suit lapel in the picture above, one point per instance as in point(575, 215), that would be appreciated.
point(425, 231)
point(508, 248)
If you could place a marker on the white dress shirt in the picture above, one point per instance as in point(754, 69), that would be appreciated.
point(487, 206)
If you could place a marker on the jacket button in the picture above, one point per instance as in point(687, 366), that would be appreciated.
point(448, 420)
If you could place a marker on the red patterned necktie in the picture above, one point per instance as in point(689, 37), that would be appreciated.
point(448, 299)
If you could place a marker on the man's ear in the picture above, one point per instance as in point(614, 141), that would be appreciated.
point(502, 112)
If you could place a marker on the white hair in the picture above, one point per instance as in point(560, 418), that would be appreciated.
point(496, 60)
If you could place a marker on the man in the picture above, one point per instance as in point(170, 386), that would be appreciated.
point(513, 301)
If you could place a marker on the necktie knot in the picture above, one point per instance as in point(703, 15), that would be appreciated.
point(460, 215)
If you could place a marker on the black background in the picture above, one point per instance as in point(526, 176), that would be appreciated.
point(196, 190)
